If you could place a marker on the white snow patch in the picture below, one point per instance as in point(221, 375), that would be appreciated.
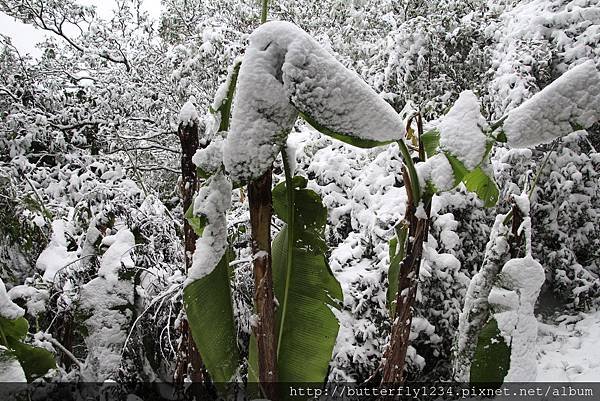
point(55, 256)
point(210, 159)
point(438, 171)
point(461, 130)
point(35, 298)
point(212, 202)
point(572, 98)
point(118, 254)
point(8, 309)
point(523, 278)
point(569, 352)
point(188, 113)
point(10, 371)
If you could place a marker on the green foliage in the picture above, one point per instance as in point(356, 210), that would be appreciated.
point(397, 251)
point(225, 108)
point(431, 141)
point(196, 222)
point(35, 361)
point(310, 215)
point(210, 315)
point(209, 312)
point(486, 189)
point(305, 287)
point(476, 181)
point(492, 356)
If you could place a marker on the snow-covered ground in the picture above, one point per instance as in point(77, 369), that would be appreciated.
point(568, 351)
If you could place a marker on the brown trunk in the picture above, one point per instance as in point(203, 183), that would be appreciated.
point(515, 239)
point(408, 278)
point(259, 198)
point(189, 363)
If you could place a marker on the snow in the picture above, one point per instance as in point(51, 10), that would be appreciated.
point(212, 201)
point(35, 298)
point(188, 113)
point(438, 171)
point(10, 371)
point(461, 130)
point(572, 98)
point(568, 351)
point(523, 278)
point(285, 70)
point(108, 300)
point(8, 309)
point(55, 256)
point(118, 254)
point(210, 159)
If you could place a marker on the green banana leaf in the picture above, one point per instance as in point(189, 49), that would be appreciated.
point(492, 356)
point(397, 252)
point(207, 303)
point(344, 137)
point(307, 327)
point(210, 315)
point(475, 180)
point(34, 361)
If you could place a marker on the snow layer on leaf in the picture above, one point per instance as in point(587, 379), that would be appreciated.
point(262, 115)
point(438, 171)
point(210, 158)
point(118, 253)
point(285, 70)
point(212, 201)
point(188, 113)
point(461, 130)
point(8, 309)
point(55, 256)
point(549, 114)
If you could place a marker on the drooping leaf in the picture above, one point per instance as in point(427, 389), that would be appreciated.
point(310, 215)
point(344, 137)
point(431, 141)
point(210, 315)
point(34, 361)
point(479, 182)
point(310, 327)
point(476, 181)
point(458, 168)
point(492, 356)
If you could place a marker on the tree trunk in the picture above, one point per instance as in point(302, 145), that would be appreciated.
point(408, 278)
point(259, 198)
point(189, 362)
point(476, 309)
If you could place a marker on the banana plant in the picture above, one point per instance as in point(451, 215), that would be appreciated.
point(443, 162)
point(569, 103)
point(294, 342)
